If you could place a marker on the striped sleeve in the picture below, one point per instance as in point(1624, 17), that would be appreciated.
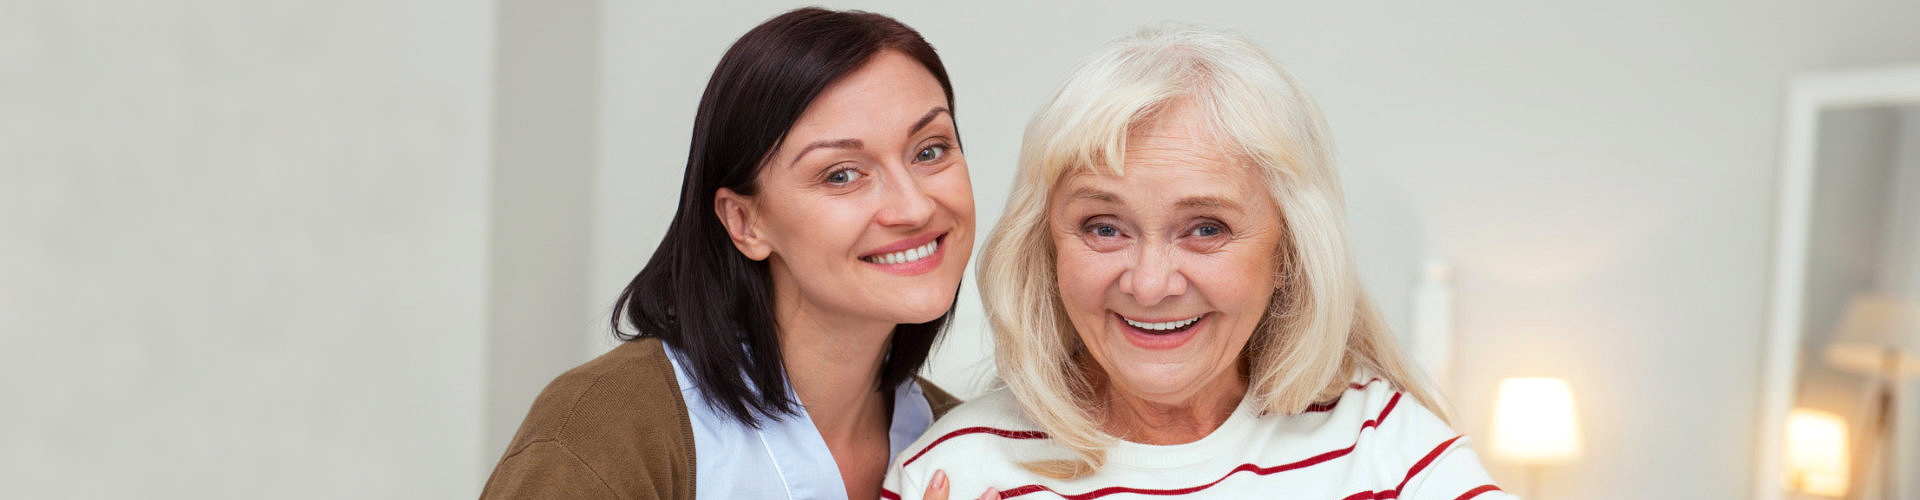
point(1454, 473)
point(1421, 458)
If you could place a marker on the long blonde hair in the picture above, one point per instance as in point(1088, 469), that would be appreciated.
point(1321, 328)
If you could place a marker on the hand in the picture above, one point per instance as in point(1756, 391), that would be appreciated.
point(937, 490)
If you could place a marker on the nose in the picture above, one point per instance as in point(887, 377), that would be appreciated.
point(1154, 275)
point(906, 204)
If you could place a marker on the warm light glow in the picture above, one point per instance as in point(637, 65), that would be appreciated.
point(1817, 452)
point(1534, 422)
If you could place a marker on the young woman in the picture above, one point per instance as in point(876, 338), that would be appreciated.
point(825, 220)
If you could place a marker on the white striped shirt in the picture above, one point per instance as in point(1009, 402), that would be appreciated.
point(1373, 443)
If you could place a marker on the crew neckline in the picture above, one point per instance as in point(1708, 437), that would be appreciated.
point(1169, 456)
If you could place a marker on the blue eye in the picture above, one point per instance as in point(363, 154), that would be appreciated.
point(1208, 231)
point(1103, 230)
point(843, 176)
point(931, 153)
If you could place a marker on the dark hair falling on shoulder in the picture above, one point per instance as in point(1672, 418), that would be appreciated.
point(698, 293)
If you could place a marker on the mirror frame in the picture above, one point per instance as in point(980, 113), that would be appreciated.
point(1807, 96)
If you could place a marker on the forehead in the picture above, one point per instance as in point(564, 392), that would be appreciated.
point(885, 95)
point(1173, 155)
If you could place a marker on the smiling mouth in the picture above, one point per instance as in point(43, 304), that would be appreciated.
point(1163, 327)
point(910, 255)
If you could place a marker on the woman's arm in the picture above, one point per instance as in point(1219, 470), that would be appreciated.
point(1439, 463)
point(547, 469)
point(1452, 472)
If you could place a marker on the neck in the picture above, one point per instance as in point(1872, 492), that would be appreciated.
point(833, 364)
point(1180, 421)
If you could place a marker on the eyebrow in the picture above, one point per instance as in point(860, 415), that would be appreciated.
point(829, 143)
point(856, 144)
point(1087, 193)
point(924, 120)
point(1218, 202)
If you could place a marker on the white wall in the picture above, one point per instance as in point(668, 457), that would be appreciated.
point(242, 248)
point(545, 55)
point(1601, 175)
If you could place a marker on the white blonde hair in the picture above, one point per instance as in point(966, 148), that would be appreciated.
point(1321, 328)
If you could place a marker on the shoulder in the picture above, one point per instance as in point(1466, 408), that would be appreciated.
point(971, 429)
point(1375, 408)
point(631, 384)
point(996, 408)
point(620, 417)
point(1413, 451)
point(977, 442)
point(1394, 414)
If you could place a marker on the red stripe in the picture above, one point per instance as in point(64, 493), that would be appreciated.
point(1256, 470)
point(889, 495)
point(1417, 467)
point(975, 430)
point(1477, 491)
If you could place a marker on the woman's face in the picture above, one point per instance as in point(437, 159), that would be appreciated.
point(865, 211)
point(1166, 270)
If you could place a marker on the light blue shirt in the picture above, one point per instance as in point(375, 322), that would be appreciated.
point(784, 458)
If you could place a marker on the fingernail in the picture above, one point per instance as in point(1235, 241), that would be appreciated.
point(940, 479)
point(991, 494)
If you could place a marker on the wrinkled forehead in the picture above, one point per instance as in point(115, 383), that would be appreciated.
point(1173, 144)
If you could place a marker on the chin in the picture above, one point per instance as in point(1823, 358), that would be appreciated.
point(919, 307)
point(1160, 386)
point(925, 314)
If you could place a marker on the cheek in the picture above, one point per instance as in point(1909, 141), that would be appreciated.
point(817, 229)
point(1084, 277)
point(1241, 284)
point(953, 188)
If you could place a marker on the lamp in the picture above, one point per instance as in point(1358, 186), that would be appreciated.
point(1817, 452)
point(1879, 336)
point(1534, 424)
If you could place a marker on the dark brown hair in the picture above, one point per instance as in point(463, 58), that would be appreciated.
point(698, 293)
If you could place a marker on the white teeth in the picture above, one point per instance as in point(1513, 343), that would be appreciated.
point(1162, 326)
point(905, 256)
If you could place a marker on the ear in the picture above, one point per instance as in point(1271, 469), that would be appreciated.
point(739, 214)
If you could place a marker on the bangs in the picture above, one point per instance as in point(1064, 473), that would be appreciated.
point(1085, 129)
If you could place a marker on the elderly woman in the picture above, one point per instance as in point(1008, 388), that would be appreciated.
point(1175, 306)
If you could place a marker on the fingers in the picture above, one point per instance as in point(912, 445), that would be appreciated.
point(937, 489)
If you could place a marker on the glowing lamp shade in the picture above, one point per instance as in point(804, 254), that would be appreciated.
point(1817, 452)
point(1534, 422)
point(1879, 334)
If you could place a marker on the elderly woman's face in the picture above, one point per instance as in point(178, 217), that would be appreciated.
point(1166, 270)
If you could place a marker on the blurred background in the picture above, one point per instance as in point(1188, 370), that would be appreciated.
point(329, 249)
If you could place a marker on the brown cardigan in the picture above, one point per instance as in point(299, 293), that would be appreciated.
point(614, 427)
